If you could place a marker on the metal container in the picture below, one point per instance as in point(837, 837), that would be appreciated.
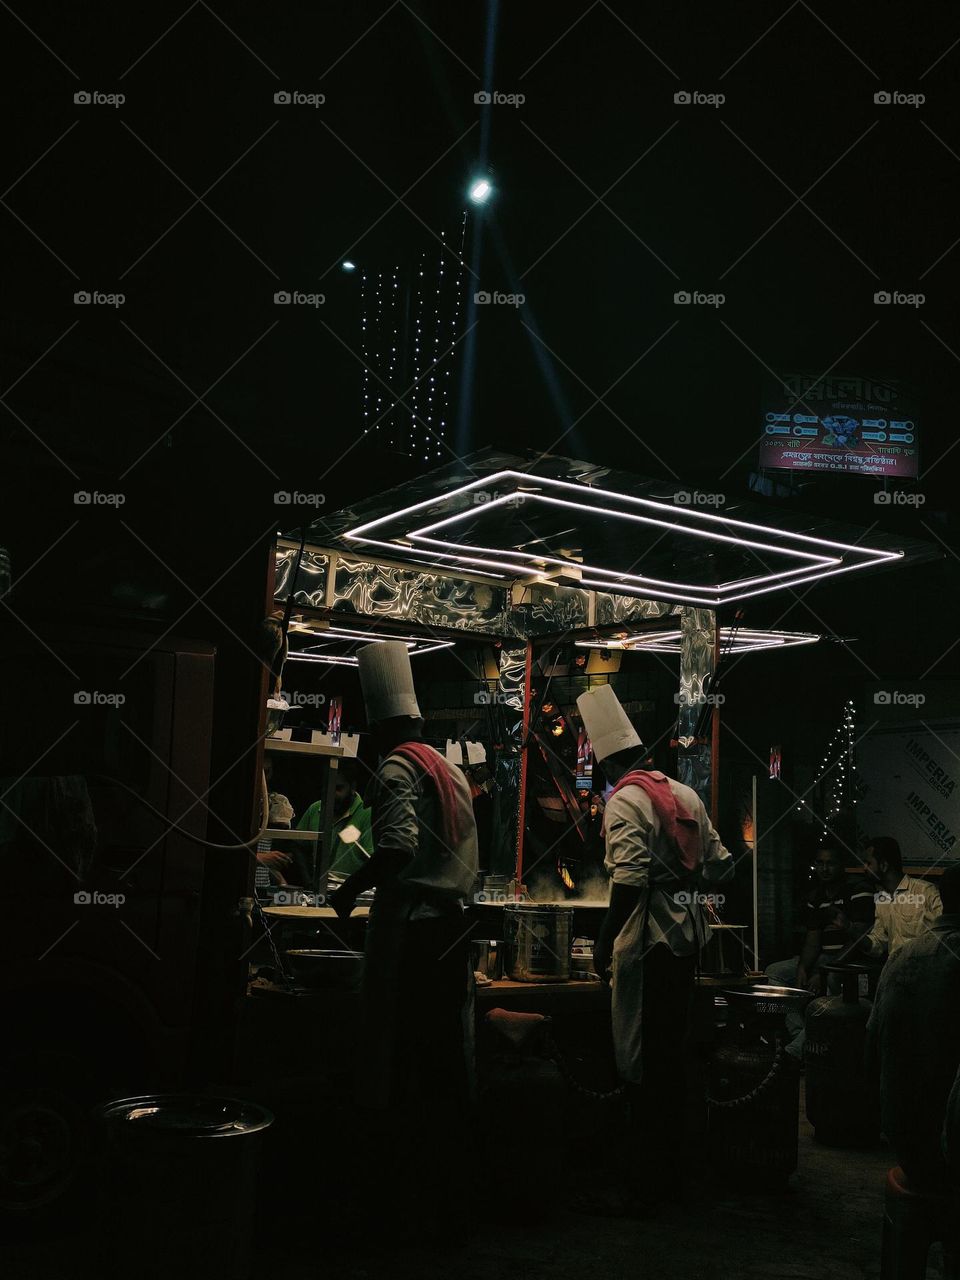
point(488, 958)
point(842, 1096)
point(581, 958)
point(753, 1113)
point(277, 709)
point(495, 887)
point(754, 1085)
point(537, 938)
point(178, 1191)
point(765, 1000)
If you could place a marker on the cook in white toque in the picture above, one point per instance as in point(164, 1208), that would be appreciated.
point(608, 725)
point(387, 681)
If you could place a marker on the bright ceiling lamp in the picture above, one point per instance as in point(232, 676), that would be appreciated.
point(523, 499)
point(732, 640)
point(480, 190)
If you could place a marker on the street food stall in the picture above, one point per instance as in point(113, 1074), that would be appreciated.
point(516, 585)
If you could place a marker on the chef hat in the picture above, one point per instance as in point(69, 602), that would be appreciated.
point(607, 724)
point(387, 681)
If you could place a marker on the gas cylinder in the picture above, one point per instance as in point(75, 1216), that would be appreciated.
point(754, 1092)
point(842, 1098)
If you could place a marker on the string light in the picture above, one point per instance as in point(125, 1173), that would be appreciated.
point(408, 332)
point(835, 778)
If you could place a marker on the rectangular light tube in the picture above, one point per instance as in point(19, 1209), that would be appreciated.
point(822, 562)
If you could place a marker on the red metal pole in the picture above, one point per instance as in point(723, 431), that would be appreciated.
point(715, 736)
point(521, 808)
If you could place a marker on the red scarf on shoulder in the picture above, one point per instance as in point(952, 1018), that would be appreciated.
point(438, 771)
point(683, 830)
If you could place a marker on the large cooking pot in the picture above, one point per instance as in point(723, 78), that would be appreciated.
point(537, 938)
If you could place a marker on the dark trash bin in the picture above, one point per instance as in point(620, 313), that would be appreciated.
point(178, 1189)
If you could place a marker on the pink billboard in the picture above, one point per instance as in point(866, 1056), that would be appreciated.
point(858, 425)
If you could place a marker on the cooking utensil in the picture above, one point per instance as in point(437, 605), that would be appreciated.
point(538, 941)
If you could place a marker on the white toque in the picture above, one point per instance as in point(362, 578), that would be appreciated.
point(607, 724)
point(387, 681)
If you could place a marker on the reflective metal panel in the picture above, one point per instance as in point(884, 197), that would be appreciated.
point(697, 634)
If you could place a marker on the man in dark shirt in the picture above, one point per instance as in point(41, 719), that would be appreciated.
point(839, 909)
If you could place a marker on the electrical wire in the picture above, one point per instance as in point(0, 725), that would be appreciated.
point(189, 835)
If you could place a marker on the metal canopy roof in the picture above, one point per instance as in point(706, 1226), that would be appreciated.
point(560, 519)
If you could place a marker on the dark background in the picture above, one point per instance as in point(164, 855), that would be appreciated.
point(100, 198)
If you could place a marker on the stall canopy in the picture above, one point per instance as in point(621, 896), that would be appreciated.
point(571, 523)
point(516, 549)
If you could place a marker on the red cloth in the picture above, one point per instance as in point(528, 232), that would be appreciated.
point(683, 830)
point(438, 771)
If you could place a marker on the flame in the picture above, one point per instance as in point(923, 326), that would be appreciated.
point(567, 878)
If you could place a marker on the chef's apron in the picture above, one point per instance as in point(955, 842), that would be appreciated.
point(626, 1001)
point(380, 1001)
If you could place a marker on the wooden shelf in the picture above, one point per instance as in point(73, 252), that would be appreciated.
point(302, 748)
point(282, 833)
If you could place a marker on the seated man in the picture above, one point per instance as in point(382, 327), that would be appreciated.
point(906, 907)
point(353, 843)
point(914, 1031)
point(839, 910)
point(273, 855)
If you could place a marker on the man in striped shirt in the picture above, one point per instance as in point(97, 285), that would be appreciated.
point(840, 908)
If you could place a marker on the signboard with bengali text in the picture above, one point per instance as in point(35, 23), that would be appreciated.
point(856, 425)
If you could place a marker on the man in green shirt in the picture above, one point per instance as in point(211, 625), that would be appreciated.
point(353, 843)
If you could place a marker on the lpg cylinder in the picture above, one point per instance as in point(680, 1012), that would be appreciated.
point(842, 1099)
point(754, 1093)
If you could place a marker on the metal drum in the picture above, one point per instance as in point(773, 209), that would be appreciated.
point(842, 1098)
point(537, 938)
point(178, 1187)
point(754, 1086)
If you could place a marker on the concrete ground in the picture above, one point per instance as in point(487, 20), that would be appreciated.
point(825, 1227)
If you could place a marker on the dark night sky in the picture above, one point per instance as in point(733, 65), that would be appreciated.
point(697, 198)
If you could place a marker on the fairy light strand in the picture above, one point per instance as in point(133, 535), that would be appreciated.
point(418, 350)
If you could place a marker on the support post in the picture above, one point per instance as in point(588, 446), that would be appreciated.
point(513, 701)
point(697, 651)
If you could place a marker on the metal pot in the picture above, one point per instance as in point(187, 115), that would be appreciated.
point(765, 1000)
point(537, 938)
